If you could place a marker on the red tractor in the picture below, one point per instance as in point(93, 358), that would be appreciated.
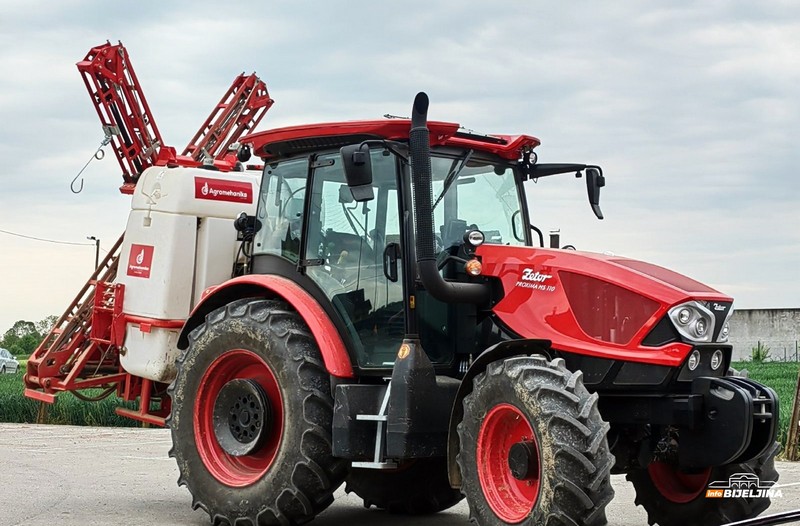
point(428, 352)
point(383, 316)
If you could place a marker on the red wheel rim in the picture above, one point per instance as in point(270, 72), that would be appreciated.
point(512, 500)
point(675, 485)
point(228, 469)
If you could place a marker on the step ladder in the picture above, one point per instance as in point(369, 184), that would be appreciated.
point(77, 353)
point(378, 461)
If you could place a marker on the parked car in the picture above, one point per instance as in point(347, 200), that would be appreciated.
point(8, 364)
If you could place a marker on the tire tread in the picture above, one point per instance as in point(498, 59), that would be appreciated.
point(316, 474)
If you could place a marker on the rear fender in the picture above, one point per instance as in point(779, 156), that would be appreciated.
point(500, 351)
point(333, 350)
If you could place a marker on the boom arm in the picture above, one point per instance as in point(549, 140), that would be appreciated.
point(129, 126)
point(122, 108)
point(240, 110)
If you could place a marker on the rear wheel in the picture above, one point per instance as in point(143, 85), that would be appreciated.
point(673, 497)
point(418, 487)
point(251, 418)
point(533, 447)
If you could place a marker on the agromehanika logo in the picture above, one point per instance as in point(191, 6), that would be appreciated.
point(742, 485)
point(223, 190)
point(140, 261)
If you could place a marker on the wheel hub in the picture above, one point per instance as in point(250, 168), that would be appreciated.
point(242, 417)
point(523, 460)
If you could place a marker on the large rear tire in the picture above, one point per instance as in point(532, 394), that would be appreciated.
point(674, 498)
point(251, 418)
point(538, 417)
point(418, 487)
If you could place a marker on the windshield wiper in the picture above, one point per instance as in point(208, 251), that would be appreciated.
point(451, 177)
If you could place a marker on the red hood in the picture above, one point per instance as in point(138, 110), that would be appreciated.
point(588, 303)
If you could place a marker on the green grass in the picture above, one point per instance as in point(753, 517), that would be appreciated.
point(15, 407)
point(782, 377)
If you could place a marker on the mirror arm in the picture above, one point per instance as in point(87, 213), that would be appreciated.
point(388, 144)
point(541, 236)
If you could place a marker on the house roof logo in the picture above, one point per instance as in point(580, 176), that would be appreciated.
point(746, 485)
point(742, 481)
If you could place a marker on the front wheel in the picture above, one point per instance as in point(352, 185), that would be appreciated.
point(251, 418)
point(673, 497)
point(533, 447)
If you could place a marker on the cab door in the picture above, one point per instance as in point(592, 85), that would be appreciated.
point(349, 250)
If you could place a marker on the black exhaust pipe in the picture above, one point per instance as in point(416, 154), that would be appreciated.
point(420, 149)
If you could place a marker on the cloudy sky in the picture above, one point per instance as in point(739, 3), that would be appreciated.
point(691, 108)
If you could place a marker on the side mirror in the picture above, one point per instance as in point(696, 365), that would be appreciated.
point(358, 171)
point(594, 182)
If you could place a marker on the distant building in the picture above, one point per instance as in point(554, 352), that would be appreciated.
point(778, 329)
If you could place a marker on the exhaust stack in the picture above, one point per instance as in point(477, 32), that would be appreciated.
point(419, 143)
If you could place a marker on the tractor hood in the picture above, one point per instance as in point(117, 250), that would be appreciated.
point(596, 304)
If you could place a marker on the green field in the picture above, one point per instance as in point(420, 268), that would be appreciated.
point(782, 377)
point(15, 407)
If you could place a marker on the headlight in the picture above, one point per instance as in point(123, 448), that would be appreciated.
point(725, 331)
point(716, 359)
point(693, 320)
point(694, 360)
point(474, 237)
point(700, 327)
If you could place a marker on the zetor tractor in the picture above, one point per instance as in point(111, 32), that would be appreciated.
point(422, 354)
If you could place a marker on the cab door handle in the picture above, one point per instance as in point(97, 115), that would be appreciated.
point(390, 256)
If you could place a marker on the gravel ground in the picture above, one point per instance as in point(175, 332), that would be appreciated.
point(97, 476)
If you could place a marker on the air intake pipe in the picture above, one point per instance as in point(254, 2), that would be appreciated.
point(420, 149)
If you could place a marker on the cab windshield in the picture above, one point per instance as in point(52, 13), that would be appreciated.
point(473, 194)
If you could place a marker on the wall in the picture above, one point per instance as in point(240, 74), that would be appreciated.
point(778, 329)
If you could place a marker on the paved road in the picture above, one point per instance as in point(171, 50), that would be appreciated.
point(98, 476)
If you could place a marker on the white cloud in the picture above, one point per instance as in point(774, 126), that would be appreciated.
point(691, 109)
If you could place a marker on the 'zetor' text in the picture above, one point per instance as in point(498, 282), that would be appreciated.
point(529, 275)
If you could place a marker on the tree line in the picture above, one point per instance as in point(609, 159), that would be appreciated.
point(24, 336)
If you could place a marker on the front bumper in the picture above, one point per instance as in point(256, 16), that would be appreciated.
point(721, 421)
point(739, 422)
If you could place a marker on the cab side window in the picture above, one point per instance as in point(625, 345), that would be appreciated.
point(280, 209)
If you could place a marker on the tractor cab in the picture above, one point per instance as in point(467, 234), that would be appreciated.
point(354, 247)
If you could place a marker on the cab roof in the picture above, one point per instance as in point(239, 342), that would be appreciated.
point(291, 140)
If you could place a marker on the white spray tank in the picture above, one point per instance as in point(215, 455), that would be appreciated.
point(179, 240)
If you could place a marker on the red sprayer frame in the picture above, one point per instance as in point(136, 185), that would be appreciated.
point(82, 349)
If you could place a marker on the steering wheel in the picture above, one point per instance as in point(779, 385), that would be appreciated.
point(286, 202)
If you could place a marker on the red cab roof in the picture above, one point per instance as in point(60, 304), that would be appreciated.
point(295, 139)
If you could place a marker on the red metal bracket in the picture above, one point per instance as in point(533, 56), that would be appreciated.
point(123, 110)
